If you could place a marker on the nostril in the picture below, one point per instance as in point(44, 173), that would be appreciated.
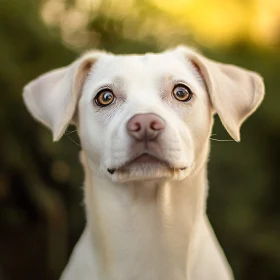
point(134, 127)
point(156, 125)
point(137, 126)
point(145, 126)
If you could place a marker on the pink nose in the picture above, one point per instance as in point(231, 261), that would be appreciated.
point(145, 127)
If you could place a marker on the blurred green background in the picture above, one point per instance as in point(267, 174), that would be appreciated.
point(41, 210)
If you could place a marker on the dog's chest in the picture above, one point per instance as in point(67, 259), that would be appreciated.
point(146, 244)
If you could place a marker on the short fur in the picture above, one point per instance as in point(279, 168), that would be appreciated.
point(146, 220)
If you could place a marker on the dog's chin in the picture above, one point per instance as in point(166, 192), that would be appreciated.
point(151, 171)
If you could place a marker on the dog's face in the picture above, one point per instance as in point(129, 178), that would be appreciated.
point(143, 117)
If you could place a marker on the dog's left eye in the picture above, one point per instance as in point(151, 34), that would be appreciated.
point(182, 93)
point(104, 98)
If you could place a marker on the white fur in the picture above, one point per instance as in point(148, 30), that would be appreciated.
point(146, 221)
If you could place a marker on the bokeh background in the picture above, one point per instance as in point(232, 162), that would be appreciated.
point(41, 210)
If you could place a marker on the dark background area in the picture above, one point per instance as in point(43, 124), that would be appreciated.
point(41, 210)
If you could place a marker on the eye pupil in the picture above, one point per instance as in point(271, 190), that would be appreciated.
point(182, 93)
point(107, 96)
point(104, 98)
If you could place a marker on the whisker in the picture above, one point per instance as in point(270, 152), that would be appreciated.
point(221, 140)
point(69, 132)
point(73, 140)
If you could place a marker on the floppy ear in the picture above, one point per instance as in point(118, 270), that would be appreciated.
point(52, 98)
point(235, 93)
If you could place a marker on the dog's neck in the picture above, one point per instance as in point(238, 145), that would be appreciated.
point(138, 227)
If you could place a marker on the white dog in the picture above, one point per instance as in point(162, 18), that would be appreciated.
point(144, 123)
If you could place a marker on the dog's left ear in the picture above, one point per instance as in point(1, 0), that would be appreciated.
point(235, 93)
point(52, 98)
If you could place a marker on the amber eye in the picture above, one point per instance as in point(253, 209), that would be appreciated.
point(182, 93)
point(104, 98)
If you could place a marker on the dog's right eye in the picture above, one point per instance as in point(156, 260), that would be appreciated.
point(104, 98)
point(182, 93)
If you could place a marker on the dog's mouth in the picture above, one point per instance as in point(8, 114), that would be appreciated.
point(145, 159)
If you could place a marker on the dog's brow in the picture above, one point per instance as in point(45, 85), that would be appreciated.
point(115, 83)
point(118, 82)
point(164, 83)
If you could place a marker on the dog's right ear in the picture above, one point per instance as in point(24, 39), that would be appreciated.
point(235, 92)
point(52, 98)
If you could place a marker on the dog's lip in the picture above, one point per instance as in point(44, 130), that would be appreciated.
point(144, 158)
point(147, 158)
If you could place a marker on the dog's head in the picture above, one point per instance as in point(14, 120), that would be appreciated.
point(145, 116)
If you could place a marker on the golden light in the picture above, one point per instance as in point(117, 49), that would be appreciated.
point(214, 22)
